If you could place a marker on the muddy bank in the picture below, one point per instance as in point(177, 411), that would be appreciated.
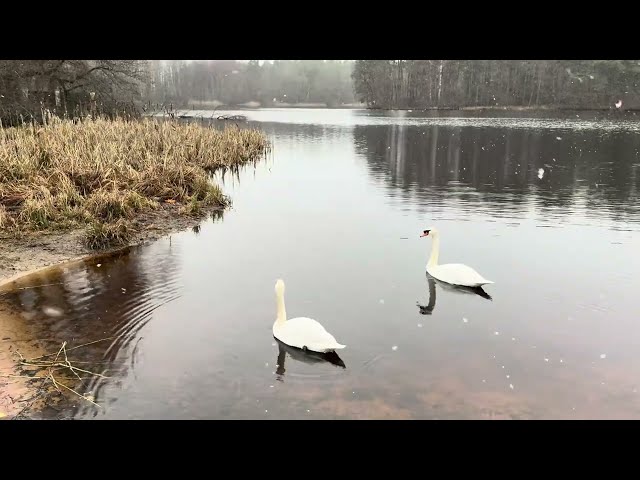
point(32, 251)
point(20, 396)
point(27, 370)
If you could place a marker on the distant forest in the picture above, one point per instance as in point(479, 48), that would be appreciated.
point(232, 82)
point(81, 87)
point(596, 84)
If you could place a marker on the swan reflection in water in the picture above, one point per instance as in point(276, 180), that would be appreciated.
point(304, 356)
point(428, 309)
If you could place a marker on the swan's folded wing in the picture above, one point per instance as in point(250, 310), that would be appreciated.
point(307, 332)
point(461, 274)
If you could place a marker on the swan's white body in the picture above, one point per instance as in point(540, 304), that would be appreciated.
point(301, 332)
point(452, 273)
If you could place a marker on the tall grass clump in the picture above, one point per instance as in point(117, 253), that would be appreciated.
point(102, 235)
point(99, 173)
point(6, 221)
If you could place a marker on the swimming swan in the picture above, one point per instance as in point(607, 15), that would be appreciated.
point(452, 273)
point(301, 332)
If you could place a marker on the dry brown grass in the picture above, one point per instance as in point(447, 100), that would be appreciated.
point(101, 173)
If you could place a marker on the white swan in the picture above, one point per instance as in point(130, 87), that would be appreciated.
point(301, 332)
point(453, 273)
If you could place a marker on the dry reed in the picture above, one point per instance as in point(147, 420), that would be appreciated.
point(100, 173)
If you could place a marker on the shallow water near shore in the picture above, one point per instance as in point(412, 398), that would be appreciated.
point(547, 208)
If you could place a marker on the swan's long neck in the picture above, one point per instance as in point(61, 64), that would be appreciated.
point(281, 316)
point(435, 251)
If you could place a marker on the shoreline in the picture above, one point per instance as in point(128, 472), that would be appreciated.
point(469, 108)
point(494, 108)
point(37, 254)
point(34, 252)
point(190, 113)
point(127, 183)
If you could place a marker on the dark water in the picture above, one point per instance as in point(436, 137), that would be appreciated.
point(336, 212)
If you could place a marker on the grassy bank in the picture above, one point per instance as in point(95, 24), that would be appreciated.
point(99, 175)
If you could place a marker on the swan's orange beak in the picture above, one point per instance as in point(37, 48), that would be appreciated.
point(424, 234)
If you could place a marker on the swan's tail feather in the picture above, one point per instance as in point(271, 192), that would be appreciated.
point(337, 346)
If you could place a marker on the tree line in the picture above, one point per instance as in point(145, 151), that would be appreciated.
point(231, 82)
point(73, 88)
point(80, 87)
point(493, 83)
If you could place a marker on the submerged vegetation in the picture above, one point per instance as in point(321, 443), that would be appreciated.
point(101, 174)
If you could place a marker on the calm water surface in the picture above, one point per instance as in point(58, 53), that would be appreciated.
point(547, 208)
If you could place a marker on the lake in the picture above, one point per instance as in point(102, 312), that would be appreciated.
point(545, 207)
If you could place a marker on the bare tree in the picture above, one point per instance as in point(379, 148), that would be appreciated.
point(28, 86)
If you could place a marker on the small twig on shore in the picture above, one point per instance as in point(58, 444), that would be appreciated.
point(11, 340)
point(30, 377)
point(81, 396)
point(26, 288)
point(55, 384)
point(73, 348)
point(40, 389)
point(91, 343)
point(61, 365)
point(70, 367)
point(57, 364)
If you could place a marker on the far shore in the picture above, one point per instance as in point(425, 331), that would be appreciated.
point(512, 108)
point(213, 112)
